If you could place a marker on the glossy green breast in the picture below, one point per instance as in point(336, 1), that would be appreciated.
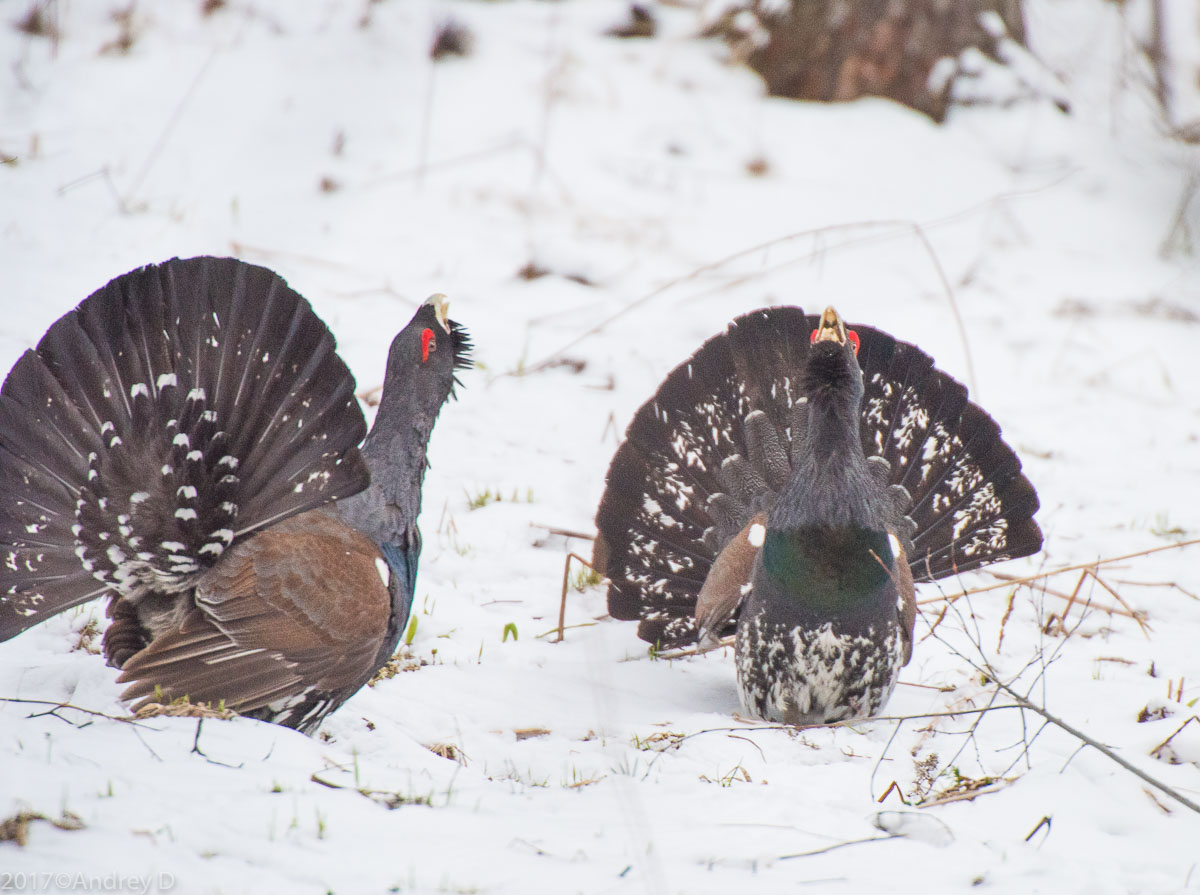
point(829, 567)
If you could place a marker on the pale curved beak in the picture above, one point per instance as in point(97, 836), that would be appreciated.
point(831, 328)
point(441, 309)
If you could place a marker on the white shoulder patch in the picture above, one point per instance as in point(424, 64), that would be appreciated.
point(385, 572)
point(758, 534)
point(894, 543)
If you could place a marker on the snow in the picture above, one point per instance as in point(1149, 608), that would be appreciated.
point(317, 138)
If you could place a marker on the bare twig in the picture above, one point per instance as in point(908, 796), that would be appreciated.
point(563, 532)
point(1007, 580)
point(166, 132)
point(965, 795)
point(1157, 750)
point(892, 787)
point(684, 652)
point(426, 123)
point(198, 751)
point(1058, 722)
point(836, 846)
point(1012, 598)
point(1156, 53)
point(1135, 615)
point(878, 231)
point(387, 798)
point(1044, 822)
point(562, 606)
point(1075, 593)
point(124, 719)
point(949, 290)
point(557, 630)
point(1174, 585)
point(1179, 236)
point(850, 722)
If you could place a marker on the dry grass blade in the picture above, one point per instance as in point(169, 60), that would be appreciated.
point(563, 532)
point(401, 662)
point(966, 793)
point(1160, 752)
point(1007, 580)
point(1136, 616)
point(1174, 585)
point(1075, 593)
point(181, 708)
point(388, 799)
point(16, 828)
point(562, 606)
point(448, 751)
point(684, 652)
point(1012, 598)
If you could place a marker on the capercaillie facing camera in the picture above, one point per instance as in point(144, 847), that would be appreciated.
point(789, 482)
point(186, 442)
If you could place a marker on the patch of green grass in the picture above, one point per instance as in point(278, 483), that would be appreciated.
point(737, 775)
point(579, 781)
point(585, 577)
point(481, 499)
point(1162, 527)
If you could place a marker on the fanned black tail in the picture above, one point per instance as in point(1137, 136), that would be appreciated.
point(713, 446)
point(174, 411)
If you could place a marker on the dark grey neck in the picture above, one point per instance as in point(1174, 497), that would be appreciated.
point(395, 452)
point(833, 426)
point(831, 483)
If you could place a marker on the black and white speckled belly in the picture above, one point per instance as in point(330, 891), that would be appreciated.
point(797, 675)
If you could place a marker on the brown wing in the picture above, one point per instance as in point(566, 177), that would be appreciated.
point(908, 600)
point(725, 585)
point(299, 607)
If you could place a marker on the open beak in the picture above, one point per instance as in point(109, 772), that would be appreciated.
point(831, 328)
point(441, 309)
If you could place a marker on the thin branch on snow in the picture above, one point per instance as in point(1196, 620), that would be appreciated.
point(1025, 703)
point(953, 301)
point(1028, 579)
point(837, 845)
point(56, 706)
point(890, 230)
point(1101, 748)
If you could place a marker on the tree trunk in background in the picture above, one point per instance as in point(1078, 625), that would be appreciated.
point(837, 50)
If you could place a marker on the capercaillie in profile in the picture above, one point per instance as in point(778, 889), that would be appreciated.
point(789, 482)
point(186, 442)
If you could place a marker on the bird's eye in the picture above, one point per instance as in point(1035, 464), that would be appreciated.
point(428, 344)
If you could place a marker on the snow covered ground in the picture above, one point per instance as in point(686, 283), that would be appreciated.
point(662, 195)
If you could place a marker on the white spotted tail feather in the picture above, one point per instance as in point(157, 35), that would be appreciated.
point(715, 444)
point(158, 424)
